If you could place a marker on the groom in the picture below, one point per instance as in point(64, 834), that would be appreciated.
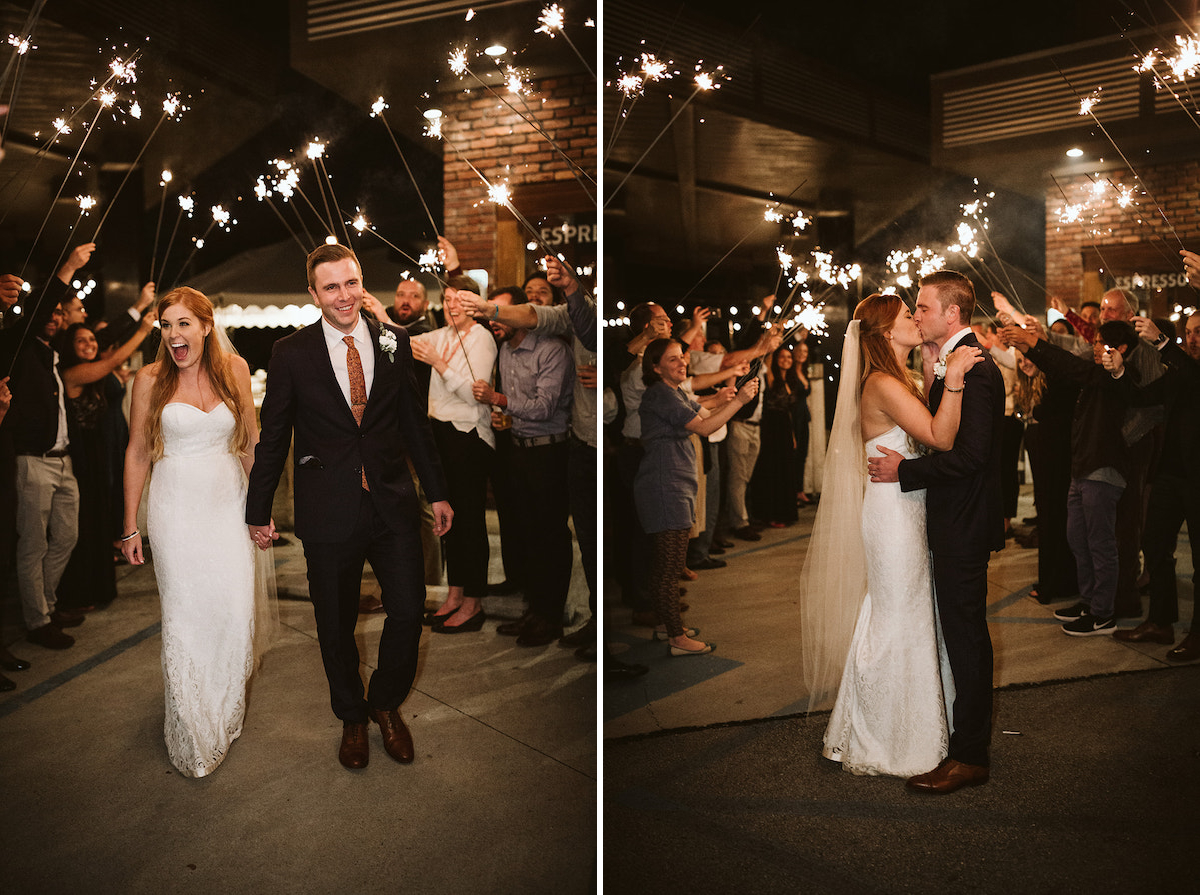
point(965, 522)
point(346, 389)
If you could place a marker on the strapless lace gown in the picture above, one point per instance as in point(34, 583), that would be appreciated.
point(890, 714)
point(204, 563)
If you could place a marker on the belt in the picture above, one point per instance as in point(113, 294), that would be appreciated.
point(48, 454)
point(539, 440)
point(746, 422)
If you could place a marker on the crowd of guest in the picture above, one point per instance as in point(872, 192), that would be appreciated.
point(510, 382)
point(708, 443)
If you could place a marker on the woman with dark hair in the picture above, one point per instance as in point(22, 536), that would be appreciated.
point(868, 570)
point(666, 482)
point(1047, 407)
point(772, 486)
point(801, 418)
point(88, 582)
point(193, 420)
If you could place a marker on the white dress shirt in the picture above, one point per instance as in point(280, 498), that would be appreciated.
point(337, 354)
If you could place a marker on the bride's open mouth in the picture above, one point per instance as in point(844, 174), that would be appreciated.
point(180, 352)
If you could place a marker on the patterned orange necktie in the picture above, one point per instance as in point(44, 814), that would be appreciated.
point(358, 389)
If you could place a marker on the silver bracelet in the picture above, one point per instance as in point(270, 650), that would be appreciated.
point(956, 390)
point(130, 536)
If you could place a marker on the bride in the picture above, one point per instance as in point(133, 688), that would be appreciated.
point(192, 417)
point(868, 616)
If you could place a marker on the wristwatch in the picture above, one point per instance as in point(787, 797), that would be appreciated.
point(1161, 340)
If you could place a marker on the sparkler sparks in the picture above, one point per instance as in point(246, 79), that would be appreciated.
point(458, 61)
point(1088, 102)
point(187, 204)
point(378, 107)
point(653, 69)
point(429, 260)
point(360, 223)
point(106, 98)
point(123, 70)
point(61, 126)
point(22, 44)
point(86, 203)
point(136, 110)
point(316, 150)
point(551, 20)
point(500, 194)
point(515, 82)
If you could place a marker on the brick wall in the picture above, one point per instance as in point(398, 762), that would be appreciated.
point(1176, 186)
point(504, 146)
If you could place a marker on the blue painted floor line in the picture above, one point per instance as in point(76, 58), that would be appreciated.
point(37, 691)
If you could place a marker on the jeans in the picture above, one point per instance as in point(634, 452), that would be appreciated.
point(1092, 534)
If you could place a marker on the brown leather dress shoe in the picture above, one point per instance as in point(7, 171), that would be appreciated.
point(1146, 632)
point(1188, 650)
point(65, 618)
point(396, 738)
point(949, 776)
point(355, 750)
point(369, 603)
point(514, 628)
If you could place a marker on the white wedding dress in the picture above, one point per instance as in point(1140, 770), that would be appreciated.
point(890, 713)
point(205, 565)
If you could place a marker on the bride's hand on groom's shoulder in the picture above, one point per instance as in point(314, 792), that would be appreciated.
point(960, 361)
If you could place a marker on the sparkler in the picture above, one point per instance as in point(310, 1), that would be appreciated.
point(703, 81)
point(220, 217)
point(1086, 108)
point(459, 65)
point(186, 205)
point(316, 154)
point(263, 193)
point(632, 89)
point(171, 108)
point(551, 23)
point(740, 241)
point(377, 109)
point(164, 182)
point(19, 42)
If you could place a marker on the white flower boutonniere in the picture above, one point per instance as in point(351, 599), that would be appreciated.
point(939, 369)
point(387, 344)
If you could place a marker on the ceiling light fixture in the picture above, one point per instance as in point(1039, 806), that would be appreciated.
point(1074, 152)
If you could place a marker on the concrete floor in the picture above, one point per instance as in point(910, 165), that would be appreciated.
point(501, 798)
point(714, 780)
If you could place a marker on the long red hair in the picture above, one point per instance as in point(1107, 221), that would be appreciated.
point(876, 314)
point(215, 363)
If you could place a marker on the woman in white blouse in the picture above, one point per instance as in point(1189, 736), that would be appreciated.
point(461, 352)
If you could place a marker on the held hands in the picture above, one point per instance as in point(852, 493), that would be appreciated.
point(447, 253)
point(473, 305)
point(560, 275)
point(263, 535)
point(885, 468)
point(1112, 360)
point(747, 392)
point(1146, 329)
point(1191, 263)
point(483, 392)
point(961, 359)
point(1017, 337)
point(443, 516)
point(10, 289)
point(374, 307)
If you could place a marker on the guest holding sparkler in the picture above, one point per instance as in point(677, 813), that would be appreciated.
point(772, 486)
point(47, 504)
point(88, 581)
point(802, 415)
point(459, 353)
point(665, 487)
point(1100, 463)
point(1175, 496)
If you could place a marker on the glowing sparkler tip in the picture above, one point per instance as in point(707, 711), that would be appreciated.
point(187, 203)
point(86, 203)
point(360, 223)
point(378, 106)
point(166, 177)
point(330, 240)
point(21, 43)
point(61, 126)
point(316, 150)
point(550, 20)
point(123, 71)
point(458, 61)
point(499, 193)
point(704, 81)
point(136, 110)
point(106, 98)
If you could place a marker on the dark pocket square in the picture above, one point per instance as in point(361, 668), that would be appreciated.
point(310, 462)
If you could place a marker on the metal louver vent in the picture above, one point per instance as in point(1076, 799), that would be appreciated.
point(1038, 103)
point(337, 18)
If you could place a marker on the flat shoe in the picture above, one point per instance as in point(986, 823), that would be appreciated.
point(679, 651)
point(663, 635)
point(9, 662)
point(474, 623)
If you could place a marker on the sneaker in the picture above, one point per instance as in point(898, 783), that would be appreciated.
point(1071, 612)
point(1088, 625)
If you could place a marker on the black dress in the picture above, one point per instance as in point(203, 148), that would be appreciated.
point(89, 579)
point(772, 487)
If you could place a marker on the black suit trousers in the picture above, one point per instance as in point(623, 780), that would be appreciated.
point(1173, 501)
point(961, 584)
point(334, 584)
